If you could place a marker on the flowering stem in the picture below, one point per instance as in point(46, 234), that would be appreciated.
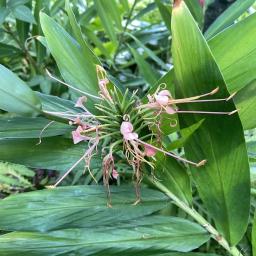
point(198, 218)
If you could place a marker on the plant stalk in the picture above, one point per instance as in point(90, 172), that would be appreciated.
point(198, 218)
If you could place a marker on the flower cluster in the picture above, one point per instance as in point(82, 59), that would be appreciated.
point(121, 126)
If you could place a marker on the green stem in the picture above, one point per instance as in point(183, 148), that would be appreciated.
point(198, 218)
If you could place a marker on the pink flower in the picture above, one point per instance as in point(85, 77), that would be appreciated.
point(149, 151)
point(162, 98)
point(170, 110)
point(80, 102)
point(115, 174)
point(126, 130)
point(77, 137)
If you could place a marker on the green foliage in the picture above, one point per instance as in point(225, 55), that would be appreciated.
point(120, 55)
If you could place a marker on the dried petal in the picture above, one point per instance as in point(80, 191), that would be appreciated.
point(80, 102)
point(115, 174)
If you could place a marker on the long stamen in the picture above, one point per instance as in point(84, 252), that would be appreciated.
point(40, 135)
point(206, 112)
point(70, 86)
point(189, 100)
point(89, 151)
point(173, 155)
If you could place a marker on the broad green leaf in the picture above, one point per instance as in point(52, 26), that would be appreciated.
point(16, 96)
point(22, 127)
point(77, 69)
point(228, 17)
point(76, 206)
point(52, 154)
point(220, 139)
point(149, 234)
point(22, 12)
point(110, 17)
point(147, 72)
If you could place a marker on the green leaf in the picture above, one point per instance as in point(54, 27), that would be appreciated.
point(149, 52)
point(246, 103)
point(149, 234)
point(185, 134)
point(56, 104)
point(78, 35)
point(235, 51)
point(52, 154)
point(174, 177)
point(75, 206)
point(13, 3)
point(196, 10)
point(4, 12)
point(110, 17)
point(22, 127)
point(16, 96)
point(147, 72)
point(254, 236)
point(166, 13)
point(67, 53)
point(8, 50)
point(220, 138)
point(22, 12)
point(228, 17)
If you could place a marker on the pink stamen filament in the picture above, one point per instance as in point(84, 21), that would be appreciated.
point(171, 154)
